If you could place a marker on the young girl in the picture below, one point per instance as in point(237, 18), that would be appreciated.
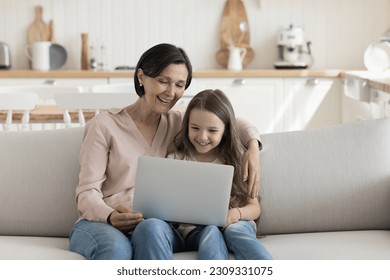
point(209, 133)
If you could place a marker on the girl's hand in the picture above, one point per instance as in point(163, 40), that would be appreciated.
point(124, 219)
point(251, 167)
point(233, 217)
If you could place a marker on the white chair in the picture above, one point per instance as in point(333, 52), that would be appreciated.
point(44, 91)
point(118, 87)
point(91, 101)
point(22, 101)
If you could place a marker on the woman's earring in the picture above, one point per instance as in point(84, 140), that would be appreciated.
point(141, 85)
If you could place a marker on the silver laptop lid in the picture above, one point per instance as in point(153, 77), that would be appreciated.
point(183, 191)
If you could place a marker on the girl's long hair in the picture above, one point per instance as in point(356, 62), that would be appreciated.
point(231, 148)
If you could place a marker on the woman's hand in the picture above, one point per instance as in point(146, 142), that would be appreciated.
point(251, 167)
point(124, 219)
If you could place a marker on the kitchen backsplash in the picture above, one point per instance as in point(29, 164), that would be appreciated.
point(340, 30)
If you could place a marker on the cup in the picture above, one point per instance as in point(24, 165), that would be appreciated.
point(39, 54)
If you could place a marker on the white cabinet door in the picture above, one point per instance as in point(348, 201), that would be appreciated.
point(311, 103)
point(354, 110)
point(257, 100)
point(380, 104)
point(387, 109)
point(361, 102)
point(356, 104)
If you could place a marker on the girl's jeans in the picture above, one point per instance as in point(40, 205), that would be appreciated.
point(241, 240)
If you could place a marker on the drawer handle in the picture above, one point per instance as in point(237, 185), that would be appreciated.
point(50, 82)
point(313, 82)
point(239, 82)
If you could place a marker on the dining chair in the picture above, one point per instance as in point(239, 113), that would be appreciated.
point(46, 100)
point(91, 101)
point(115, 87)
point(17, 101)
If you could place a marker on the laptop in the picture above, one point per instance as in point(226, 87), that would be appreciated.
point(183, 191)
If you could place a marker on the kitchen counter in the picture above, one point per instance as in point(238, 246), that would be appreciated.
point(203, 73)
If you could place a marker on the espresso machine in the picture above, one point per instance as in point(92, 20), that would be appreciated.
point(293, 50)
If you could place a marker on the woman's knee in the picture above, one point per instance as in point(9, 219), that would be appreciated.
point(151, 226)
point(100, 241)
point(151, 230)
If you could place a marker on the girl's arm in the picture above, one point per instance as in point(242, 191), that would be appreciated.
point(251, 211)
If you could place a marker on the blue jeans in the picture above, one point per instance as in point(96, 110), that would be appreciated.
point(153, 239)
point(209, 242)
point(241, 240)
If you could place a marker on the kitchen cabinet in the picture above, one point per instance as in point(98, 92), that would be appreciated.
point(282, 104)
point(273, 101)
point(380, 103)
point(361, 102)
point(311, 103)
point(354, 110)
point(355, 100)
point(258, 100)
point(86, 83)
point(130, 79)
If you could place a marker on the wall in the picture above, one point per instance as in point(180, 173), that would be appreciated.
point(340, 30)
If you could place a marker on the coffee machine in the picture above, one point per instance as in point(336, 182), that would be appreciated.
point(291, 53)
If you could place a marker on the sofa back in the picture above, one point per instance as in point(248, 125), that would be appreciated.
point(38, 177)
point(328, 179)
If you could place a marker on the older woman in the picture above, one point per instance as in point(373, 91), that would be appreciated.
point(113, 141)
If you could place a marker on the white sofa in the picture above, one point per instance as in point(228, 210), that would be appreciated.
point(325, 193)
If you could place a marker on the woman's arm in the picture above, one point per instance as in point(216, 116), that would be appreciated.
point(93, 164)
point(251, 167)
point(251, 159)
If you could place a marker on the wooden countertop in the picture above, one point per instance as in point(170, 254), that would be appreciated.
point(201, 73)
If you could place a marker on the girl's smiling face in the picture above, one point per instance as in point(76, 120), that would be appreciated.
point(205, 131)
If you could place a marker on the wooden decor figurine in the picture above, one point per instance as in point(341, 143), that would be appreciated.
point(39, 30)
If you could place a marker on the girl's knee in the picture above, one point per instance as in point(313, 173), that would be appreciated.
point(239, 228)
point(211, 231)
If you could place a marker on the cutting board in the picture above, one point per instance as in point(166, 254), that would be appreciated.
point(233, 16)
point(40, 30)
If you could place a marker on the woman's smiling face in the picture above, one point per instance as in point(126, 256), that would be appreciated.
point(162, 92)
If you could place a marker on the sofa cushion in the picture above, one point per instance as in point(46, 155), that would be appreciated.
point(38, 180)
point(343, 245)
point(328, 179)
point(36, 248)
